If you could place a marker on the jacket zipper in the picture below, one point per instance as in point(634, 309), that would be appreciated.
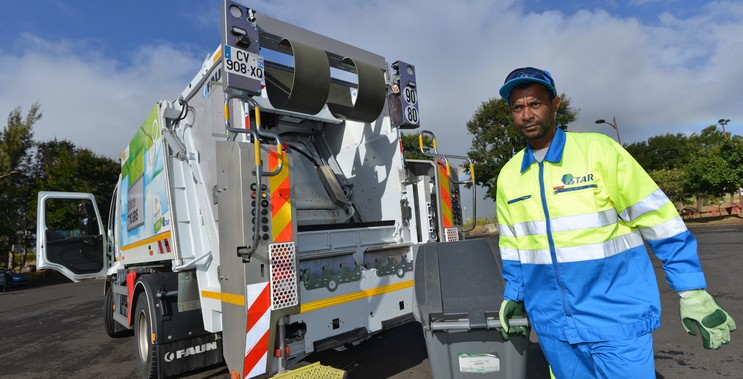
point(553, 252)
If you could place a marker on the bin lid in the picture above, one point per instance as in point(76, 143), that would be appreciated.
point(459, 278)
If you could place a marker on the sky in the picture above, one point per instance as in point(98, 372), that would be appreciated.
point(655, 66)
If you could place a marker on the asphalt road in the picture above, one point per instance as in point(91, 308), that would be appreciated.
point(55, 329)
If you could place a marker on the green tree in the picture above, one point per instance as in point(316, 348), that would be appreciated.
point(707, 164)
point(671, 181)
point(16, 138)
point(665, 151)
point(707, 175)
point(16, 142)
point(705, 141)
point(27, 167)
point(716, 166)
point(495, 139)
point(411, 147)
point(61, 166)
point(731, 151)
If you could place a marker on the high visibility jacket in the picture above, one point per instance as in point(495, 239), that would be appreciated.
point(572, 230)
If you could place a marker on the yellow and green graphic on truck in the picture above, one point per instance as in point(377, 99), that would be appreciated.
point(144, 198)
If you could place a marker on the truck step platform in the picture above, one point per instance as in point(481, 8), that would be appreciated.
point(313, 371)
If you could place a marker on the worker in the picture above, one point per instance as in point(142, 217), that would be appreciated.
point(574, 211)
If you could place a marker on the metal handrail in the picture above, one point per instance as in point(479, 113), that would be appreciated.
point(257, 133)
point(446, 157)
point(258, 174)
point(263, 133)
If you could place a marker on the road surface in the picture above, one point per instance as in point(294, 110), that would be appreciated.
point(55, 329)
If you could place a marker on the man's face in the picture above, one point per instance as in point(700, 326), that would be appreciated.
point(534, 114)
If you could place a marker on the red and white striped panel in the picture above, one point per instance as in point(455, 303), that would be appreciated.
point(257, 329)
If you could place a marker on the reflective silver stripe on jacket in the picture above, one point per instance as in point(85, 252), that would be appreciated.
point(575, 253)
point(650, 203)
point(585, 221)
point(506, 230)
point(599, 250)
point(509, 253)
point(526, 256)
point(561, 224)
point(663, 230)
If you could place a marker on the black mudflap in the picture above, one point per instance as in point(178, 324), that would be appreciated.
point(190, 354)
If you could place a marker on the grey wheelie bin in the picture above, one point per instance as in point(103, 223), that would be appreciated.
point(458, 291)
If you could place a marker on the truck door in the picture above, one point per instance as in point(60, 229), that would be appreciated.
point(69, 235)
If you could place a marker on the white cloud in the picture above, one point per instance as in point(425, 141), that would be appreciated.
point(676, 75)
point(668, 77)
point(91, 100)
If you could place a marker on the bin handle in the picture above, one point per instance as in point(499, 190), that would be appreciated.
point(465, 324)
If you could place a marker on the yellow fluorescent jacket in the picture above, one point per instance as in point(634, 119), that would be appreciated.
point(572, 230)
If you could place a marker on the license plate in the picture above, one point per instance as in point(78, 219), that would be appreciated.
point(243, 63)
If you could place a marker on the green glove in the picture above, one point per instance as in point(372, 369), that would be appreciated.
point(508, 310)
point(699, 308)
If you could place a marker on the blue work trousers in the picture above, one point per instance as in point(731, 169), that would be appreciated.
point(620, 359)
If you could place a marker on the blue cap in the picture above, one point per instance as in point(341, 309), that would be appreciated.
point(524, 75)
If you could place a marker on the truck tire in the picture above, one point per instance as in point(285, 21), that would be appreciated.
point(147, 352)
point(113, 328)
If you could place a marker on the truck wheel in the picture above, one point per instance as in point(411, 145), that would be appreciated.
point(113, 328)
point(147, 352)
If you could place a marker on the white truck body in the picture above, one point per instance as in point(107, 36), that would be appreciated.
point(265, 214)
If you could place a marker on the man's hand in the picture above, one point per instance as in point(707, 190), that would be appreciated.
point(700, 309)
point(508, 310)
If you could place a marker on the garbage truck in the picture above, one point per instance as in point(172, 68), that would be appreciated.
point(266, 212)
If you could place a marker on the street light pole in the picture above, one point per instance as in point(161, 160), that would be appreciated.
point(613, 124)
point(722, 123)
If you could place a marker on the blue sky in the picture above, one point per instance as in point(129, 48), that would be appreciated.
point(112, 27)
point(97, 67)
